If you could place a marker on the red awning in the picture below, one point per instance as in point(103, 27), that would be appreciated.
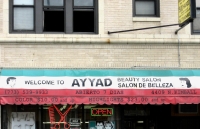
point(99, 96)
point(99, 100)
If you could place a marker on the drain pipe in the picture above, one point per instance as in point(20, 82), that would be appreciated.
point(176, 32)
point(179, 58)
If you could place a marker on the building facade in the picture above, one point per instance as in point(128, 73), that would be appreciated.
point(44, 39)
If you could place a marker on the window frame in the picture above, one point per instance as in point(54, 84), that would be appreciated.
point(52, 8)
point(156, 9)
point(85, 8)
point(38, 18)
point(192, 26)
point(11, 17)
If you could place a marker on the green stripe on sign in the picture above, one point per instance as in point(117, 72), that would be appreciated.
point(97, 72)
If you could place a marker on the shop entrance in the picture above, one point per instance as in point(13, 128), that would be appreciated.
point(139, 117)
point(158, 117)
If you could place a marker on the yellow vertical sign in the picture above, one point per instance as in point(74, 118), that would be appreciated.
point(184, 11)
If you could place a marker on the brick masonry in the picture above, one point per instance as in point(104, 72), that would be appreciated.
point(1, 16)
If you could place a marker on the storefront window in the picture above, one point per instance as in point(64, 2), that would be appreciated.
point(20, 117)
point(135, 116)
point(62, 116)
point(101, 117)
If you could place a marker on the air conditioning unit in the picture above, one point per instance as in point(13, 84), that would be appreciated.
point(188, 108)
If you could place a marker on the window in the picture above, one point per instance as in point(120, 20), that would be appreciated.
point(145, 8)
point(53, 16)
point(23, 15)
point(53, 12)
point(83, 13)
point(57, 116)
point(196, 22)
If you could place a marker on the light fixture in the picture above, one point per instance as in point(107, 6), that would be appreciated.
point(140, 122)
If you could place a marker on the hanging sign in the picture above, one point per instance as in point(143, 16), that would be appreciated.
point(75, 121)
point(186, 11)
point(101, 111)
point(63, 116)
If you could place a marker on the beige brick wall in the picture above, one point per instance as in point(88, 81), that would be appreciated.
point(1, 16)
point(99, 56)
point(169, 15)
point(118, 16)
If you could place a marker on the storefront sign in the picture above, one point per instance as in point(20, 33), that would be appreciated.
point(186, 11)
point(75, 121)
point(56, 124)
point(101, 111)
point(127, 82)
point(106, 90)
point(99, 86)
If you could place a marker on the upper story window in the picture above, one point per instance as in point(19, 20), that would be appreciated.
point(196, 22)
point(53, 16)
point(146, 8)
point(23, 15)
point(83, 8)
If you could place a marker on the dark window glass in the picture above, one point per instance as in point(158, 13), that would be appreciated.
point(188, 108)
point(54, 21)
point(84, 21)
point(65, 16)
point(83, 16)
point(53, 16)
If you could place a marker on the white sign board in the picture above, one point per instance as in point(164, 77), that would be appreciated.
point(75, 121)
point(99, 82)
